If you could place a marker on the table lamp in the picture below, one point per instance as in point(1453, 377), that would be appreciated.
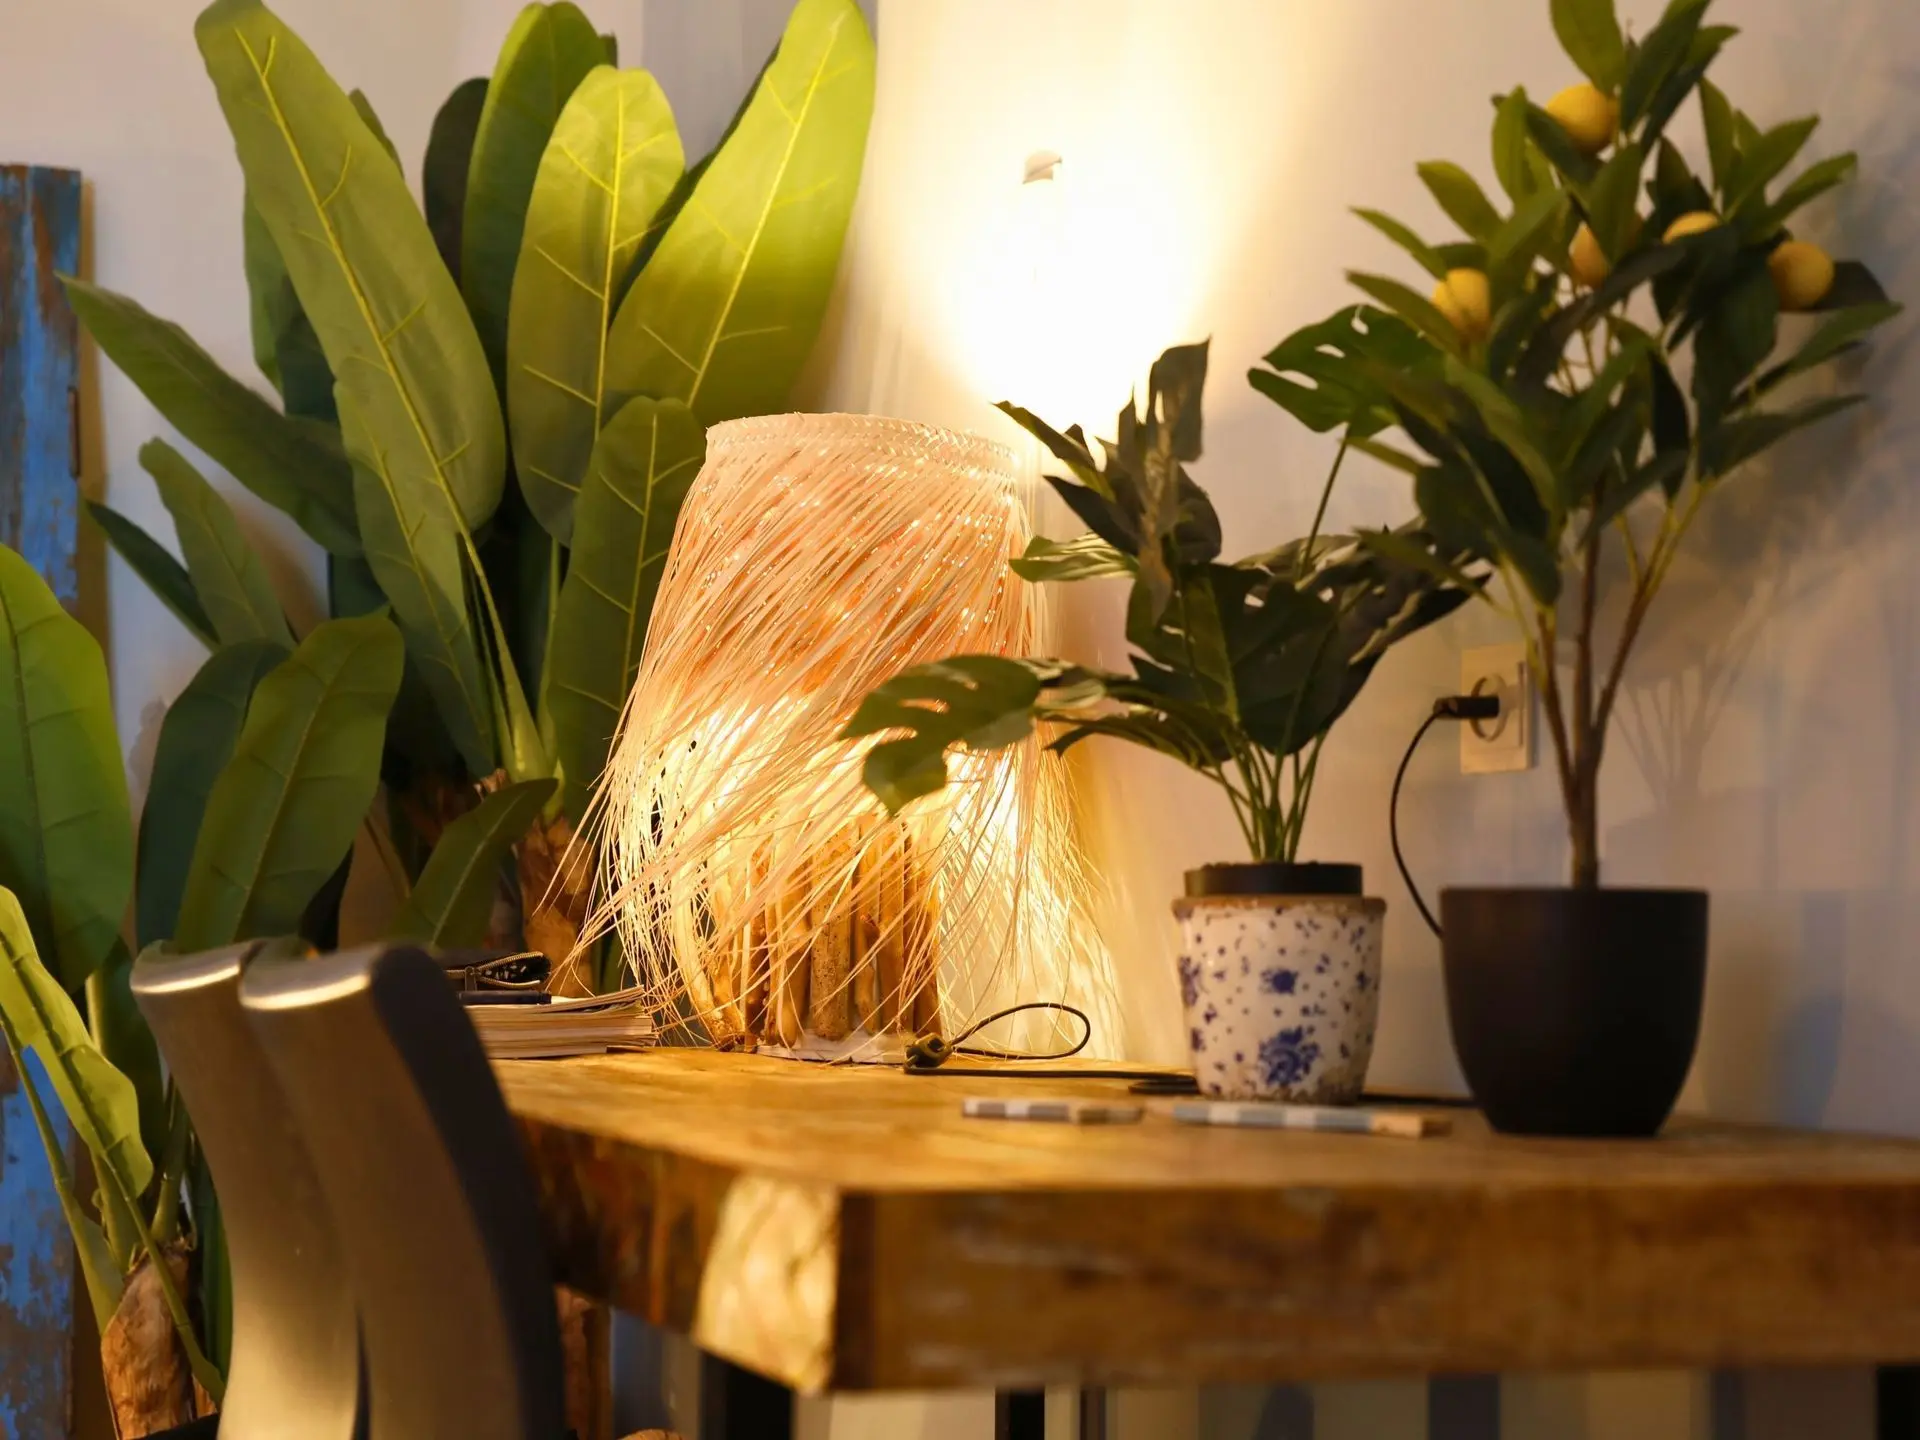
point(758, 887)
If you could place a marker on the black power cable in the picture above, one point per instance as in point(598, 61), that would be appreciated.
point(1447, 707)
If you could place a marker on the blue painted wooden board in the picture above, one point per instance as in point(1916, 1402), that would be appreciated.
point(39, 515)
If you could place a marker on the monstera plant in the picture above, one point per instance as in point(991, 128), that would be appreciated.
point(490, 409)
point(1238, 671)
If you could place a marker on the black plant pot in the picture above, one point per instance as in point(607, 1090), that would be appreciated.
point(1575, 1012)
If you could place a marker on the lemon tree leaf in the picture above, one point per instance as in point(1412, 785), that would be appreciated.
point(66, 835)
point(388, 315)
point(547, 53)
point(292, 463)
point(306, 766)
point(642, 467)
point(413, 550)
point(1460, 195)
point(227, 573)
point(196, 741)
point(166, 577)
point(101, 1103)
point(453, 898)
point(613, 159)
point(1590, 34)
point(725, 311)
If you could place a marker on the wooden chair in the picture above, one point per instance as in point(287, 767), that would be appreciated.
point(429, 1190)
point(295, 1372)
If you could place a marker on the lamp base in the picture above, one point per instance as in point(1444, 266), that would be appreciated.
point(858, 1048)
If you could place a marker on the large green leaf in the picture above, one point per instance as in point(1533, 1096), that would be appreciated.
point(547, 53)
point(453, 898)
point(166, 577)
point(292, 463)
point(613, 158)
point(443, 171)
point(724, 313)
point(388, 315)
point(303, 773)
point(227, 573)
point(646, 460)
point(284, 345)
point(66, 838)
point(196, 740)
point(100, 1102)
point(120, 1031)
point(414, 552)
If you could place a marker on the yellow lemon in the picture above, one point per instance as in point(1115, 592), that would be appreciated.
point(1463, 297)
point(1590, 117)
point(1802, 274)
point(1695, 222)
point(1589, 262)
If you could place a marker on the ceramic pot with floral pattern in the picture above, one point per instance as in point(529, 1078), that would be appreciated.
point(1280, 978)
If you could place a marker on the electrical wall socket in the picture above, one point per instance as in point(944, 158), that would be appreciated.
point(1488, 747)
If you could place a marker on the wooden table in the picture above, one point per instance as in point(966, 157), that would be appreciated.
point(847, 1229)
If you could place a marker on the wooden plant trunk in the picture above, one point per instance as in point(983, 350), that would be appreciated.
point(149, 1387)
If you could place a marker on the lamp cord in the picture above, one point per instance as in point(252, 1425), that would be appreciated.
point(930, 1052)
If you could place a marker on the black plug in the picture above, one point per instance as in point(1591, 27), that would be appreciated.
point(1467, 707)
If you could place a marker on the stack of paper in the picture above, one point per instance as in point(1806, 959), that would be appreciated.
point(589, 1026)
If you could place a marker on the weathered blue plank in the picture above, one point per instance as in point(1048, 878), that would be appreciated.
point(39, 512)
point(36, 1271)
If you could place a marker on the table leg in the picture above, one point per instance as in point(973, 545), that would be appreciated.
point(1022, 1415)
point(1897, 1390)
point(736, 1404)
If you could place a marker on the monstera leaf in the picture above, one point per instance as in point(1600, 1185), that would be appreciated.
point(613, 158)
point(547, 53)
point(285, 808)
point(390, 319)
point(66, 838)
point(726, 309)
point(642, 467)
point(979, 702)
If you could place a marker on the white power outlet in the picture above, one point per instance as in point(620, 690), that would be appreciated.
point(1488, 747)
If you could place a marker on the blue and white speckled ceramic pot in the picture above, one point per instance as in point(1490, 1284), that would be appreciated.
point(1282, 993)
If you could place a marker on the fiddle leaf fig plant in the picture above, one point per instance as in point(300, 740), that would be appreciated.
point(1605, 348)
point(456, 385)
point(1239, 669)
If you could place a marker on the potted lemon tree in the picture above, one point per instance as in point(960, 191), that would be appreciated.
point(1606, 348)
point(1239, 670)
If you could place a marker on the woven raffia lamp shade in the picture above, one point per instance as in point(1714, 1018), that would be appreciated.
point(755, 882)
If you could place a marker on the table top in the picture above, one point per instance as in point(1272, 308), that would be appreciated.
point(846, 1228)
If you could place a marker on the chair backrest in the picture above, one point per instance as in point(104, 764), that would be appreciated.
point(295, 1372)
point(429, 1190)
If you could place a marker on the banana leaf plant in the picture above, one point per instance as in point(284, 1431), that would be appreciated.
point(265, 770)
point(1605, 347)
point(1239, 669)
point(490, 409)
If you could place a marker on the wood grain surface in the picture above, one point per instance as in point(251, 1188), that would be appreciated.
point(845, 1228)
